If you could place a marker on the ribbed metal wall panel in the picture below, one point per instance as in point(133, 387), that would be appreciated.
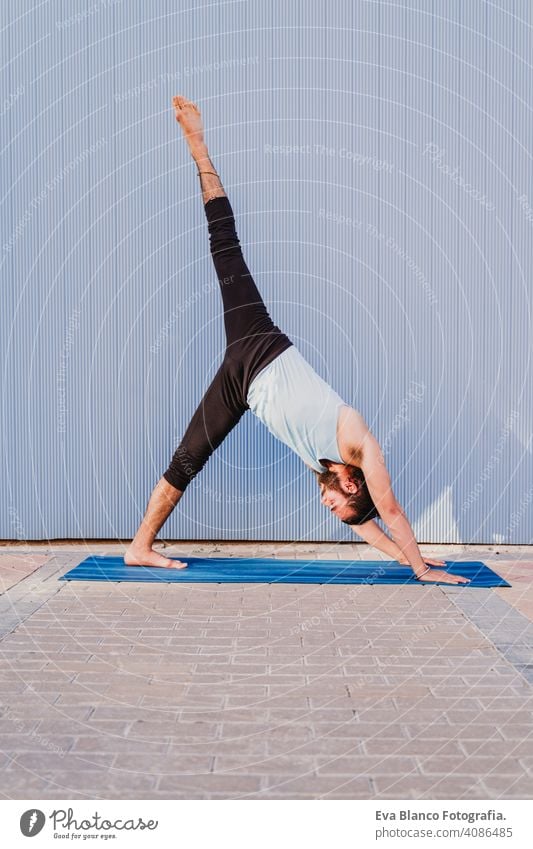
point(409, 291)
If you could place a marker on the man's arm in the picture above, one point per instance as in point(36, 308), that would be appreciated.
point(358, 441)
point(372, 463)
point(374, 536)
point(380, 488)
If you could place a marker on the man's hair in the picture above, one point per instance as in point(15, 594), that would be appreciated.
point(360, 502)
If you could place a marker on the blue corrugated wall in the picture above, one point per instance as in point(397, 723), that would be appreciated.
point(378, 156)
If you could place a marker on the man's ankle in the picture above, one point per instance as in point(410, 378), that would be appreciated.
point(198, 151)
point(140, 545)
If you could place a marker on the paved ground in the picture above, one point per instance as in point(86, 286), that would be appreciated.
point(259, 691)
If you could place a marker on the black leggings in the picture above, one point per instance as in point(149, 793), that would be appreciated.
point(252, 342)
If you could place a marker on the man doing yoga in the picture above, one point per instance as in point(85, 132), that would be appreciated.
point(264, 372)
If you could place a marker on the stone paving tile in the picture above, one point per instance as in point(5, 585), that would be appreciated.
point(84, 697)
point(45, 763)
point(24, 711)
point(469, 765)
point(85, 725)
point(498, 747)
point(24, 785)
point(318, 747)
point(167, 764)
point(515, 731)
point(36, 741)
point(209, 786)
point(317, 786)
point(431, 787)
point(506, 787)
point(438, 728)
point(374, 765)
point(416, 747)
point(92, 785)
point(253, 765)
point(361, 730)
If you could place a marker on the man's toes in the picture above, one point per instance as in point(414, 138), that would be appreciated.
point(181, 103)
point(188, 104)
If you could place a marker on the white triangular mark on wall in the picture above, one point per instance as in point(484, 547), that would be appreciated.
point(438, 521)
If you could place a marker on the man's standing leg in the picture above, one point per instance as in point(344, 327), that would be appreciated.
point(140, 553)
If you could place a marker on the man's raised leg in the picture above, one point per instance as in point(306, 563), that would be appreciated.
point(216, 416)
point(165, 496)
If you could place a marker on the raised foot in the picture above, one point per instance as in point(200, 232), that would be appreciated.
point(189, 118)
point(135, 557)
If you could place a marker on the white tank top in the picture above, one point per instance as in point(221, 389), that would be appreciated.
point(298, 407)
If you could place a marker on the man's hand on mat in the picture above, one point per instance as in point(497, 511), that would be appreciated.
point(436, 574)
point(443, 577)
point(150, 557)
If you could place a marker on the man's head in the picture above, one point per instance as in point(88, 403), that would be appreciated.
point(344, 491)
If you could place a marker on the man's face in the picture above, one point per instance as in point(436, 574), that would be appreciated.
point(335, 501)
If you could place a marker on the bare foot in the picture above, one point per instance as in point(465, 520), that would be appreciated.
point(136, 557)
point(189, 118)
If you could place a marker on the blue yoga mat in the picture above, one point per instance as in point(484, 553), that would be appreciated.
point(235, 570)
